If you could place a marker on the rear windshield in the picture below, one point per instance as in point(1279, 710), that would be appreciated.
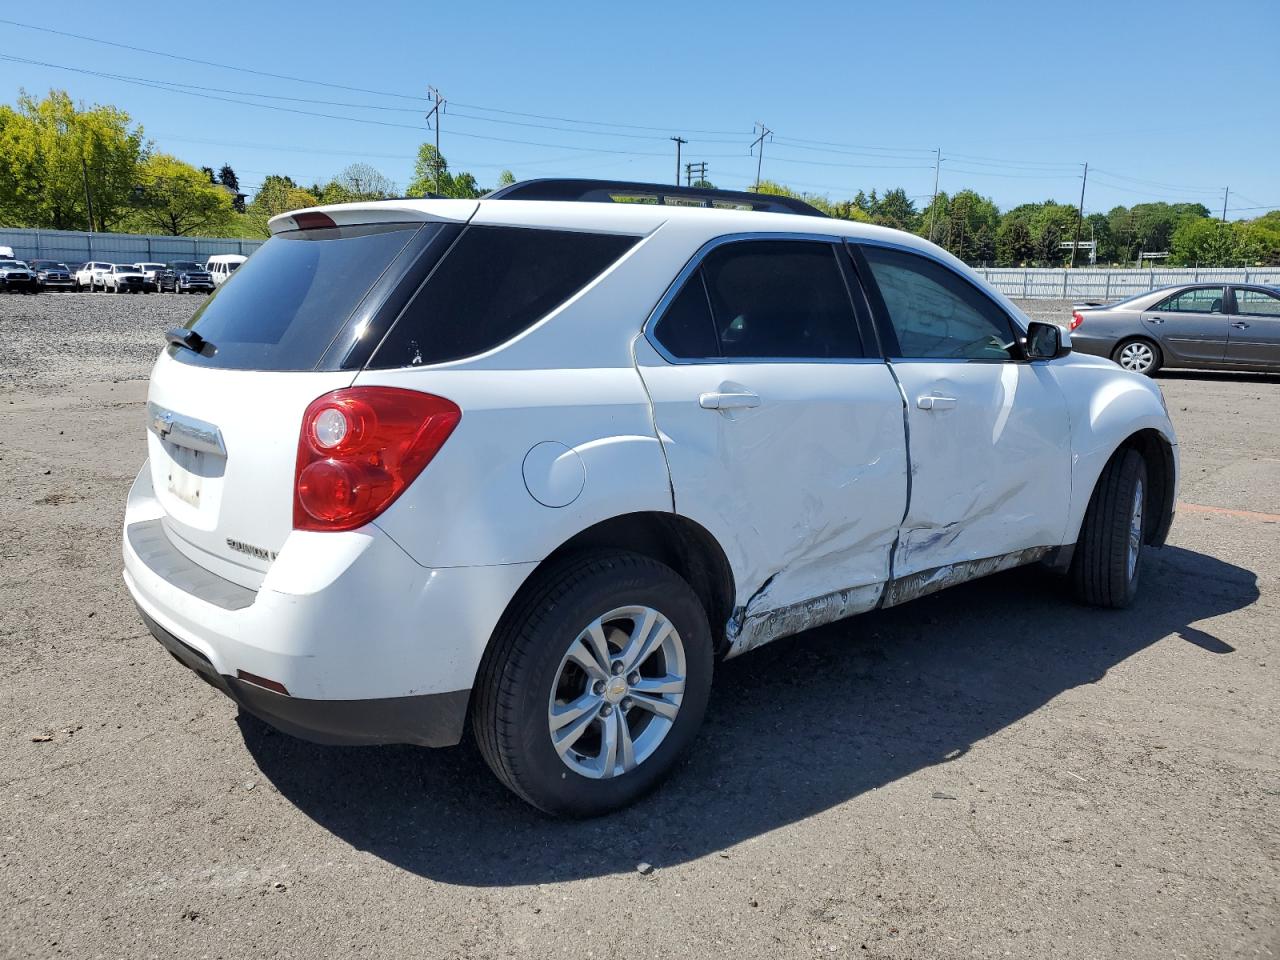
point(494, 283)
point(294, 296)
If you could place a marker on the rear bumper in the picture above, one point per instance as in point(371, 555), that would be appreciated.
point(429, 720)
point(371, 646)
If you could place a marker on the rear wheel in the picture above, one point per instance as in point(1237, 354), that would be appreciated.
point(1139, 355)
point(1107, 562)
point(595, 683)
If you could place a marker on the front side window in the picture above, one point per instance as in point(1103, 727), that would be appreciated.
point(1258, 303)
point(495, 283)
point(1199, 300)
point(936, 313)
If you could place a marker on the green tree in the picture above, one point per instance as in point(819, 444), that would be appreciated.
point(51, 151)
point(431, 175)
point(895, 209)
point(506, 178)
point(278, 194)
point(965, 224)
point(1014, 244)
point(176, 198)
point(843, 210)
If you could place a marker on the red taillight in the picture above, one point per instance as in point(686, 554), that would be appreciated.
point(360, 448)
point(1076, 319)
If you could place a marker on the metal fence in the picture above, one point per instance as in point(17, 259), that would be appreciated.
point(1097, 284)
point(77, 246)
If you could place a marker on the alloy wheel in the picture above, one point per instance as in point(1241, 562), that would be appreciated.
point(1137, 356)
point(617, 692)
point(1134, 546)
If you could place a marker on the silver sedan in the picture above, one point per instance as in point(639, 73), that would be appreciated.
point(1205, 325)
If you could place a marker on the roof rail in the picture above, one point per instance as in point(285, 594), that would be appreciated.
point(607, 191)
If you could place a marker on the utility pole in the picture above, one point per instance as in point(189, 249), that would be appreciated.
point(759, 141)
point(88, 197)
point(937, 168)
point(690, 168)
point(1079, 216)
point(680, 141)
point(437, 105)
point(1226, 192)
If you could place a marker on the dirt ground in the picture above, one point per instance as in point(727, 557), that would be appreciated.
point(988, 772)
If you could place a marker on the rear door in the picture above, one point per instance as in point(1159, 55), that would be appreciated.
point(304, 316)
point(782, 427)
point(989, 435)
point(1191, 323)
point(1255, 327)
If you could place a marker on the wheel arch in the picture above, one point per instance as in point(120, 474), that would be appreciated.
point(680, 543)
point(1162, 481)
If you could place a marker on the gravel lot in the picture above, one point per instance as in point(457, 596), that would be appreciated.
point(988, 772)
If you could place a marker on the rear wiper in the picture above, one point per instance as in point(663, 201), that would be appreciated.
point(183, 337)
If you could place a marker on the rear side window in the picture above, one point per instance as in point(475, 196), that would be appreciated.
point(1197, 300)
point(295, 295)
point(494, 283)
point(763, 300)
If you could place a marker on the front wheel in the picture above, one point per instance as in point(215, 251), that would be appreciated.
point(1107, 562)
point(1139, 355)
point(596, 681)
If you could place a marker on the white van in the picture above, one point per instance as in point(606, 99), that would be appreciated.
point(222, 265)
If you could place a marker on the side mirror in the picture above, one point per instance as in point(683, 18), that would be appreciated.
point(1045, 341)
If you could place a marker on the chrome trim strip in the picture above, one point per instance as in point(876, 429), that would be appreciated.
point(184, 431)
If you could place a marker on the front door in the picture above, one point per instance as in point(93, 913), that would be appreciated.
point(989, 435)
point(783, 432)
point(1255, 328)
point(1190, 324)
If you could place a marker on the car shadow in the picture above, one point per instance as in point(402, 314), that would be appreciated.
point(793, 729)
point(1221, 376)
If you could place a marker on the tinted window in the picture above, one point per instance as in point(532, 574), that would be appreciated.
point(1199, 300)
point(686, 329)
point(295, 295)
point(1257, 303)
point(780, 298)
point(495, 283)
point(935, 312)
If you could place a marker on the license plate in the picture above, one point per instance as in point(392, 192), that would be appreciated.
point(185, 474)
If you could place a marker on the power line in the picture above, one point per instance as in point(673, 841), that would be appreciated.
point(207, 63)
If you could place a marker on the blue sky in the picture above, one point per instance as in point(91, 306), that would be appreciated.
point(1171, 101)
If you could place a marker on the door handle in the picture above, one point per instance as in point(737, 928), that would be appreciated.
point(936, 403)
point(1157, 319)
point(1240, 325)
point(728, 401)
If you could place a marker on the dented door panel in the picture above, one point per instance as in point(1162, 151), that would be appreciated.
point(990, 467)
point(804, 491)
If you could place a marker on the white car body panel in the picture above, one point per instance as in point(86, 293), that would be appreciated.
point(991, 461)
point(578, 420)
point(804, 492)
point(248, 495)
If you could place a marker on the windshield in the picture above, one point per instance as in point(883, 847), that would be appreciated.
point(296, 295)
point(185, 265)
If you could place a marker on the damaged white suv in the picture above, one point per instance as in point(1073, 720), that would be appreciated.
point(534, 462)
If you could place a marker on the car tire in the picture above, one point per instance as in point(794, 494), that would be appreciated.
point(1107, 563)
point(532, 678)
point(1139, 355)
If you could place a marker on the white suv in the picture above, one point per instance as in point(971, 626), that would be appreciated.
point(534, 462)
